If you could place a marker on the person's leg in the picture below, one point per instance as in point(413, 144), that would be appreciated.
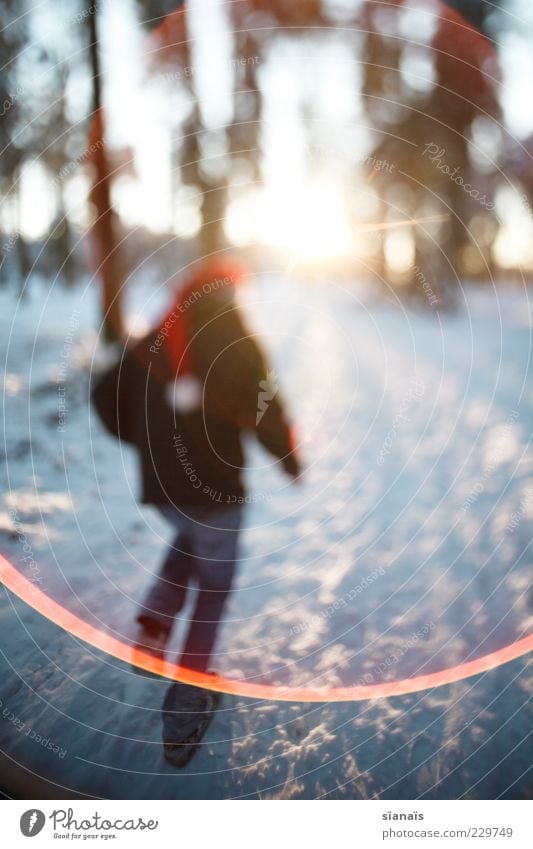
point(167, 594)
point(214, 537)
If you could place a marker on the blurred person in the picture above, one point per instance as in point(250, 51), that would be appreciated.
point(183, 396)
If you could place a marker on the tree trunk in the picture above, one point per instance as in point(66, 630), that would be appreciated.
point(104, 228)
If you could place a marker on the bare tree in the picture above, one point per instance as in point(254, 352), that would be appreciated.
point(105, 225)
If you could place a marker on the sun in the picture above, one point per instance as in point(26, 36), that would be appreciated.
point(311, 222)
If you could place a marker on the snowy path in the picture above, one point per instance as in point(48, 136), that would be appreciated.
point(406, 550)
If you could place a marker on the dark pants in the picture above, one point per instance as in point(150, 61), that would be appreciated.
point(203, 553)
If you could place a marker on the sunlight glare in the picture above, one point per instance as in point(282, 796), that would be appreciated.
point(400, 250)
point(311, 223)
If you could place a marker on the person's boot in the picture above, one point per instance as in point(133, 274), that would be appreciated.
point(152, 637)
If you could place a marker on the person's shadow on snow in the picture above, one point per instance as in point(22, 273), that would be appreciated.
point(187, 712)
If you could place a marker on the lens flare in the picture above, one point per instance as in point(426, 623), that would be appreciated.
point(59, 615)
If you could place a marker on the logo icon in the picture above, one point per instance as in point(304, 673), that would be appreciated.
point(267, 391)
point(32, 822)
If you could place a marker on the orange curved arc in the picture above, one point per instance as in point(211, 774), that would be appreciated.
point(33, 596)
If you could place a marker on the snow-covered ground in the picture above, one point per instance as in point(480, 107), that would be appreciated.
point(405, 550)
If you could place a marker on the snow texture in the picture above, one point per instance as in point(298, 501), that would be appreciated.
point(406, 549)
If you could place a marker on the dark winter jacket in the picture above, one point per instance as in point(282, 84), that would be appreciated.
point(195, 456)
